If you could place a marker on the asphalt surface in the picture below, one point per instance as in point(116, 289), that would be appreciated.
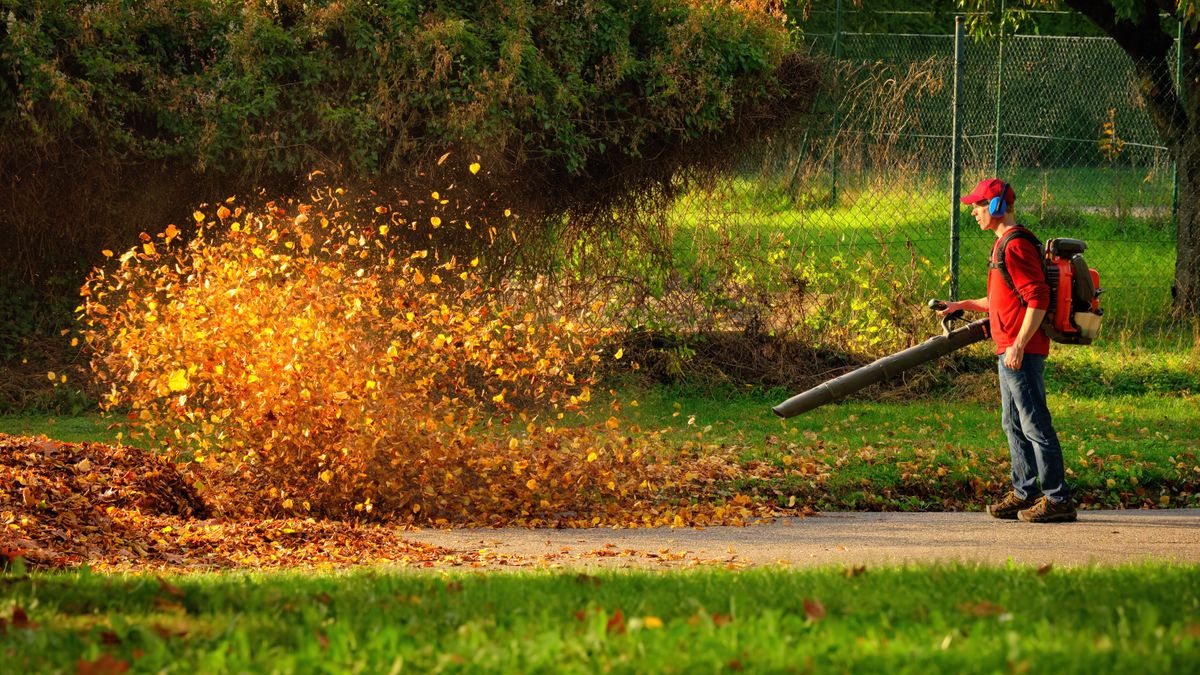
point(848, 539)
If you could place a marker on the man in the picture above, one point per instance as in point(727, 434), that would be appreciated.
point(1040, 493)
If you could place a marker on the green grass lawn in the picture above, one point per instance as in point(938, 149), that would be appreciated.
point(85, 428)
point(915, 619)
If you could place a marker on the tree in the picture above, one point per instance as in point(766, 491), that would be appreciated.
point(1139, 30)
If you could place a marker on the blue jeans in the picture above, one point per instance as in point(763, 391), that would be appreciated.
point(1032, 443)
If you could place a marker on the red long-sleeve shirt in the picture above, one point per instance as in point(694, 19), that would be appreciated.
point(1005, 309)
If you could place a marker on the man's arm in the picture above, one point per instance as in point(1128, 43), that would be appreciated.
point(1015, 353)
point(1024, 263)
point(976, 305)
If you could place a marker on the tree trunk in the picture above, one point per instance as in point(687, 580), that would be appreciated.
point(1187, 163)
point(1175, 112)
point(1187, 247)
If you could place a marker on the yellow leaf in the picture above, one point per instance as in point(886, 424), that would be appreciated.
point(148, 247)
point(652, 622)
point(612, 423)
point(474, 167)
point(531, 484)
point(383, 230)
point(107, 253)
point(499, 398)
point(619, 354)
point(326, 475)
point(435, 221)
point(306, 240)
point(178, 380)
point(592, 456)
point(198, 216)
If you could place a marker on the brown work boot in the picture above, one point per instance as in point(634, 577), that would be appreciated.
point(1008, 507)
point(1046, 511)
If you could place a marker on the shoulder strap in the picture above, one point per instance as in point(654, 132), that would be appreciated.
point(998, 264)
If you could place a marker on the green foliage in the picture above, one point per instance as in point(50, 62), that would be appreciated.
point(233, 87)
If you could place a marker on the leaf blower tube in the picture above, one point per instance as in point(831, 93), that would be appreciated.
point(889, 366)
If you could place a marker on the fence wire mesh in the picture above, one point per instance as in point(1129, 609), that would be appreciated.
point(871, 175)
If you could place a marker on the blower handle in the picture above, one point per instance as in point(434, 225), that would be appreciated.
point(939, 305)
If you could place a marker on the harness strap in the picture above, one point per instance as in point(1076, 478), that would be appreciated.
point(998, 263)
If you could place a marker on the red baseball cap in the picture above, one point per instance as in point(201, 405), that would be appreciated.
point(990, 188)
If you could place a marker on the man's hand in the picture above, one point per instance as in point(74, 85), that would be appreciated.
point(979, 305)
point(1013, 356)
point(951, 307)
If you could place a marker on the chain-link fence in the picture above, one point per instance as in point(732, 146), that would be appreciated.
point(916, 119)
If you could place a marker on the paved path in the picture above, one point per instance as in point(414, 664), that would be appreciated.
point(1103, 537)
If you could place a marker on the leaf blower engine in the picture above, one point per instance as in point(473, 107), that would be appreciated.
point(1074, 314)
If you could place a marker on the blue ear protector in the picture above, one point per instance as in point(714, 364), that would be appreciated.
point(996, 206)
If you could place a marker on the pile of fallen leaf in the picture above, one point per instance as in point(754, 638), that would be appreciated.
point(117, 507)
point(64, 504)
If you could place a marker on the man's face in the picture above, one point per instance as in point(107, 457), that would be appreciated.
point(985, 219)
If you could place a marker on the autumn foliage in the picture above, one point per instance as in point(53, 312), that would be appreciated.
point(305, 363)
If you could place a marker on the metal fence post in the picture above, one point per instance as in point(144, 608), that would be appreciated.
point(837, 121)
point(999, 83)
point(955, 154)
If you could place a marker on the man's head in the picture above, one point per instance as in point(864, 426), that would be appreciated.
point(991, 202)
